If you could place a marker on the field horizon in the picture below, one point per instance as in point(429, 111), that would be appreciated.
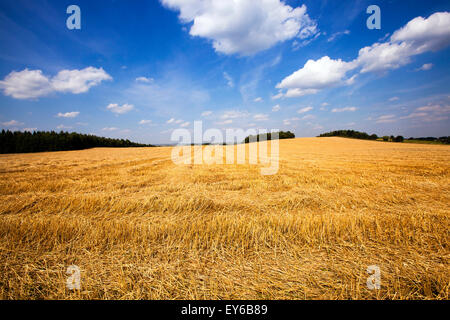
point(139, 226)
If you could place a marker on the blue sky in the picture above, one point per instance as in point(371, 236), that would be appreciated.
point(139, 69)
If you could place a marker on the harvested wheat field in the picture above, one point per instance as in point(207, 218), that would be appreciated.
point(140, 227)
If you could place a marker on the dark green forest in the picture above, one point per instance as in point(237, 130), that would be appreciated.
point(40, 141)
point(268, 136)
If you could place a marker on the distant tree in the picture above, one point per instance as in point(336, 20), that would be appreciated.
point(268, 136)
point(349, 134)
point(398, 139)
point(385, 138)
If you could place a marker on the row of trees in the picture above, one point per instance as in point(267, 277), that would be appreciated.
point(268, 136)
point(444, 140)
point(39, 141)
point(363, 135)
point(360, 135)
point(350, 134)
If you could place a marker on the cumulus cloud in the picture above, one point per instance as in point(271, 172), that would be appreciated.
point(394, 99)
point(316, 75)
point(12, 123)
point(430, 34)
point(305, 109)
point(384, 56)
point(115, 108)
point(79, 81)
point(206, 113)
point(184, 124)
point(425, 67)
point(145, 121)
point(345, 109)
point(258, 99)
point(73, 114)
point(241, 26)
point(418, 36)
point(276, 108)
point(32, 84)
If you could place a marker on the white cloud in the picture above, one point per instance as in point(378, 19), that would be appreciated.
point(394, 99)
point(184, 124)
point(316, 75)
point(26, 84)
point(145, 121)
point(424, 35)
point(415, 115)
point(32, 84)
point(308, 117)
point(227, 77)
point(429, 113)
point(62, 127)
point(276, 108)
point(29, 129)
point(12, 123)
point(73, 114)
point(79, 81)
point(110, 129)
point(115, 108)
point(206, 113)
point(244, 27)
point(418, 36)
point(350, 109)
point(435, 108)
point(259, 99)
point(337, 34)
point(384, 56)
point(144, 79)
point(233, 114)
point(325, 104)
point(305, 109)
point(386, 119)
point(279, 95)
point(170, 120)
point(425, 67)
point(261, 117)
point(229, 121)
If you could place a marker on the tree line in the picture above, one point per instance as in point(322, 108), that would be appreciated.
point(40, 141)
point(363, 135)
point(268, 136)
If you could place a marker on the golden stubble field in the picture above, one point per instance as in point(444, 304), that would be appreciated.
point(140, 227)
